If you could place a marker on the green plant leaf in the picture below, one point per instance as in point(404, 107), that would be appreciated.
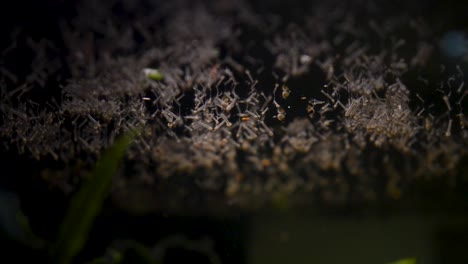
point(126, 252)
point(404, 261)
point(86, 204)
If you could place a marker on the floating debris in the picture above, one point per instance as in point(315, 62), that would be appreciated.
point(153, 74)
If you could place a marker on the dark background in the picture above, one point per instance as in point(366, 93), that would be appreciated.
point(45, 207)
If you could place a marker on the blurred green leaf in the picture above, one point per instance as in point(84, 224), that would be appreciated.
point(14, 223)
point(87, 203)
point(100, 260)
point(137, 253)
point(126, 252)
point(404, 261)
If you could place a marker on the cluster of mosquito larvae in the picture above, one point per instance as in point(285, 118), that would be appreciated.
point(223, 110)
point(205, 115)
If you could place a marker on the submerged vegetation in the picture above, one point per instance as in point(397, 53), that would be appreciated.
point(87, 203)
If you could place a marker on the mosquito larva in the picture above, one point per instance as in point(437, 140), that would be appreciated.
point(226, 120)
point(285, 93)
point(205, 125)
point(462, 121)
point(462, 97)
point(427, 124)
point(95, 122)
point(247, 72)
point(218, 126)
point(447, 103)
point(281, 114)
point(460, 87)
point(231, 105)
point(420, 112)
point(327, 95)
point(448, 133)
point(267, 129)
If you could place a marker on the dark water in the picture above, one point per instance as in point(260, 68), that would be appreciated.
point(431, 228)
point(363, 238)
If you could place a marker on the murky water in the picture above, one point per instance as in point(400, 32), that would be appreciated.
point(273, 132)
